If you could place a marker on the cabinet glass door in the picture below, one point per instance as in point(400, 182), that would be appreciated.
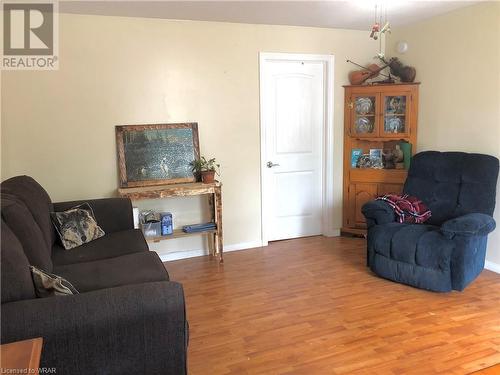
point(395, 110)
point(364, 122)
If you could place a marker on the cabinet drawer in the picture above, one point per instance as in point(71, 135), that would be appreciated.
point(389, 176)
point(384, 189)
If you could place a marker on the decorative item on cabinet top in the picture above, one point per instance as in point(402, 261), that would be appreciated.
point(398, 72)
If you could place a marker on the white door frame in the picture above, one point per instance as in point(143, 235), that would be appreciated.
point(327, 162)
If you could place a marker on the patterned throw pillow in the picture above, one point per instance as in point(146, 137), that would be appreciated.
point(48, 284)
point(76, 226)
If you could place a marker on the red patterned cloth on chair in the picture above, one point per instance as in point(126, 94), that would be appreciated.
point(408, 209)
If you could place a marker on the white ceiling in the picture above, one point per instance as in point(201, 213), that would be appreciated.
point(355, 14)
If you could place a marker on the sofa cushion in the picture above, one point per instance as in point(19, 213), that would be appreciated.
point(381, 237)
point(22, 223)
point(76, 226)
point(108, 273)
point(112, 214)
point(36, 199)
point(453, 184)
point(414, 254)
point(411, 274)
point(109, 246)
point(50, 285)
point(418, 244)
point(16, 278)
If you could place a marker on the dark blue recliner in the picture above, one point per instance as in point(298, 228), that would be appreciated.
point(448, 251)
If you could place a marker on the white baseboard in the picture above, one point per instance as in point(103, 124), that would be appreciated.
point(201, 252)
point(332, 233)
point(182, 255)
point(492, 266)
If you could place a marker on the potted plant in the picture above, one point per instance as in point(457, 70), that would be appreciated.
point(206, 168)
point(196, 169)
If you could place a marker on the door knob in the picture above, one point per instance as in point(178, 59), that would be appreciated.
point(270, 164)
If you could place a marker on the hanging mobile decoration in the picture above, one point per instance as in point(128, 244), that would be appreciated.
point(375, 26)
point(387, 27)
point(377, 31)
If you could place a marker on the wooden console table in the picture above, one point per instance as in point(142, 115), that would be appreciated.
point(214, 192)
point(21, 357)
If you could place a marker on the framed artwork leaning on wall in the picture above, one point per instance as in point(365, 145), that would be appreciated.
point(156, 154)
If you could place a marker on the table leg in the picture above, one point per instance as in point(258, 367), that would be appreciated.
point(218, 220)
point(211, 236)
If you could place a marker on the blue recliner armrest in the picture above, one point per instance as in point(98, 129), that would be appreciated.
point(377, 212)
point(474, 224)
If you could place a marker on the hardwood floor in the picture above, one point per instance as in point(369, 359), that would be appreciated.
point(310, 306)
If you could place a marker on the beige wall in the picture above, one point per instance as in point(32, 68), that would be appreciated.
point(457, 57)
point(59, 126)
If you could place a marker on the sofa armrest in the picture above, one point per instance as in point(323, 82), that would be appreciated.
point(112, 214)
point(377, 212)
point(135, 329)
point(474, 224)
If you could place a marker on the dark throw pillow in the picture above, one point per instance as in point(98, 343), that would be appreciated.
point(76, 226)
point(48, 284)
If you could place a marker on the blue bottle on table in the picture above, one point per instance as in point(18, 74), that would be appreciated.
point(167, 225)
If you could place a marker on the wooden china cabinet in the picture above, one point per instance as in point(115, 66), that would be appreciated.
point(376, 117)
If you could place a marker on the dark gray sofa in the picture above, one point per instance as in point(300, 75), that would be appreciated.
point(128, 317)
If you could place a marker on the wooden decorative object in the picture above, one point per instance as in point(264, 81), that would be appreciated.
point(156, 154)
point(375, 117)
point(357, 77)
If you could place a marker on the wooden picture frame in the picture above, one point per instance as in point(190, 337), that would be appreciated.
point(156, 154)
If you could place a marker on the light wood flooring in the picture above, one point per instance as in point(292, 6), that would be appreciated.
point(311, 306)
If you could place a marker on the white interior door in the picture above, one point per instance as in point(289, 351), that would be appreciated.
point(293, 118)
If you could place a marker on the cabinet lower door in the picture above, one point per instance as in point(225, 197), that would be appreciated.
point(359, 194)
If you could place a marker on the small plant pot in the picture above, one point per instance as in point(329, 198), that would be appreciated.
point(207, 177)
point(197, 176)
